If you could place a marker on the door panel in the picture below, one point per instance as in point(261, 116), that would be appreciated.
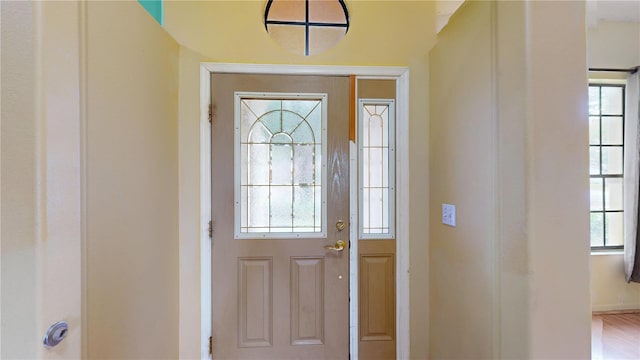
point(279, 298)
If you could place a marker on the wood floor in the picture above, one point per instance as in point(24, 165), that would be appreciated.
point(615, 336)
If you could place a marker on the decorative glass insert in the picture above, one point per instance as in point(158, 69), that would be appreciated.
point(376, 173)
point(280, 165)
point(606, 154)
point(306, 27)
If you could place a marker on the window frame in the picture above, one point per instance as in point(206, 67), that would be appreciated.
point(238, 234)
point(615, 84)
point(391, 234)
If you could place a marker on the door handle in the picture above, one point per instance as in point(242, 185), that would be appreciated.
point(339, 246)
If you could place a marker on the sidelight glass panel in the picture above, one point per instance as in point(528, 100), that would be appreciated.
point(376, 172)
point(280, 141)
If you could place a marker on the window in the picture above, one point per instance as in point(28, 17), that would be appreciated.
point(377, 169)
point(280, 152)
point(606, 165)
point(306, 27)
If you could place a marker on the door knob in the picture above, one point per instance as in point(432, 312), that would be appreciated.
point(339, 246)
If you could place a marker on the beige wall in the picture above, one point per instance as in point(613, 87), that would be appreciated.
point(511, 157)
point(132, 184)
point(461, 164)
point(402, 39)
point(41, 237)
point(18, 175)
point(612, 45)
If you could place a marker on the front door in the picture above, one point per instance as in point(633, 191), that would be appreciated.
point(280, 210)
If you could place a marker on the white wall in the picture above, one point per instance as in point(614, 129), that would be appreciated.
point(613, 45)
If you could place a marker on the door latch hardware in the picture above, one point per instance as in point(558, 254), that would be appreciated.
point(55, 334)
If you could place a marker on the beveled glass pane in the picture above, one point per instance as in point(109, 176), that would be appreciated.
point(594, 130)
point(247, 119)
point(318, 161)
point(259, 134)
point(366, 167)
point(258, 210)
point(612, 160)
point(384, 114)
point(385, 211)
point(258, 164)
point(594, 100)
point(244, 200)
point(385, 167)
point(315, 121)
point(318, 203)
point(289, 37)
point(303, 134)
point(272, 121)
point(323, 38)
point(281, 164)
point(375, 167)
point(281, 206)
point(300, 107)
point(613, 196)
point(597, 229)
point(244, 162)
point(375, 130)
point(614, 229)
point(303, 206)
point(595, 194)
point(366, 124)
point(375, 206)
point(281, 138)
point(612, 130)
point(611, 100)
point(594, 160)
point(326, 11)
point(366, 211)
point(303, 164)
point(287, 10)
point(290, 121)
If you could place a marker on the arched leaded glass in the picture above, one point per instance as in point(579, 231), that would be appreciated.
point(280, 143)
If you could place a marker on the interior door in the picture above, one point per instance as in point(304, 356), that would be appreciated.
point(280, 207)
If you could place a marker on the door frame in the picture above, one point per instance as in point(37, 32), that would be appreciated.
point(401, 75)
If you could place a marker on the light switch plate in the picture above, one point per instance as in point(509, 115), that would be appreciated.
point(449, 214)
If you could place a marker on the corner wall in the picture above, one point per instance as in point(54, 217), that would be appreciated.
point(511, 280)
point(132, 184)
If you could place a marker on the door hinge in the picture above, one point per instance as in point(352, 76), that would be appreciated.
point(210, 113)
point(210, 229)
point(210, 345)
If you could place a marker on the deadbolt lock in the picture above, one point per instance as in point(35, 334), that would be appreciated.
point(340, 225)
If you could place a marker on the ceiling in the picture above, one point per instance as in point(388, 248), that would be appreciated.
point(597, 10)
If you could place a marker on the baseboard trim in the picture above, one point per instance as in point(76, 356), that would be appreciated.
point(616, 312)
